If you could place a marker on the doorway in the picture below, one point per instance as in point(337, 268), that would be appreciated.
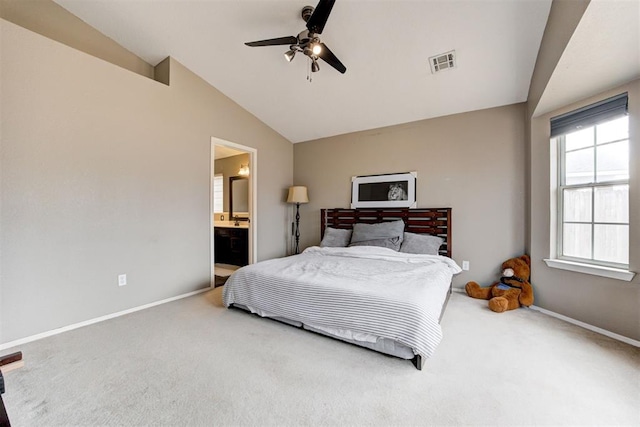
point(233, 208)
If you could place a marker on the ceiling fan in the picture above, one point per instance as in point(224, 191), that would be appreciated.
point(308, 41)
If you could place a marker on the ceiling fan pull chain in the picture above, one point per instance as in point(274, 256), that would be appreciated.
point(309, 78)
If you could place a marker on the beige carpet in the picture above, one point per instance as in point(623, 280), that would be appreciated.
point(192, 362)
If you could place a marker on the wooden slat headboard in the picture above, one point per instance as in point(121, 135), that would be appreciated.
point(434, 221)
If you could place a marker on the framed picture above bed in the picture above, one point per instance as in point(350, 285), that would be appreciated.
point(394, 190)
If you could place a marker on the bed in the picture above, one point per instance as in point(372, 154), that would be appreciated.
point(372, 296)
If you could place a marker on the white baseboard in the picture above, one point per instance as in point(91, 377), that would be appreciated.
point(25, 340)
point(21, 341)
point(601, 331)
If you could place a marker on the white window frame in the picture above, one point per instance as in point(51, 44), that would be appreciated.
point(592, 186)
point(582, 265)
point(218, 193)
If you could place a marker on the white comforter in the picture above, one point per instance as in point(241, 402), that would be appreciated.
point(363, 289)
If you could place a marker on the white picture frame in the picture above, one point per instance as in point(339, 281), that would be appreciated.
point(394, 190)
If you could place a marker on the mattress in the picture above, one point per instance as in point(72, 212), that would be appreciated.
point(363, 294)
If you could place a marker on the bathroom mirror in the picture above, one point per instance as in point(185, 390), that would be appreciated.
point(238, 196)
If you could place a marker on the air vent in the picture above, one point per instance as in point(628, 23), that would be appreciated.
point(443, 62)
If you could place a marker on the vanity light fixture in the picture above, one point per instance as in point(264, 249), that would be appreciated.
point(244, 170)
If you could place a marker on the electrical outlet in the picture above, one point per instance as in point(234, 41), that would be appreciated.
point(465, 265)
point(122, 279)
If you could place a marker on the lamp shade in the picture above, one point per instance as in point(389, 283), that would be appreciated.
point(298, 194)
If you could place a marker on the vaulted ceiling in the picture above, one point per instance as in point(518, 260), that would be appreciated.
point(385, 46)
point(604, 52)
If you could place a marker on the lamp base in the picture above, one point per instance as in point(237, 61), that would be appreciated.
point(297, 249)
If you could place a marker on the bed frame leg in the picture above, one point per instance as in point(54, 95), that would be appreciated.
point(417, 362)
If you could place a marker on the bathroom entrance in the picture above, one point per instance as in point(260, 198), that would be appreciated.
point(233, 204)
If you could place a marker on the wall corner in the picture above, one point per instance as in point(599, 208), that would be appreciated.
point(162, 71)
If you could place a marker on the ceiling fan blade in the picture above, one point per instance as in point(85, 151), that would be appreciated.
point(327, 56)
point(274, 42)
point(318, 19)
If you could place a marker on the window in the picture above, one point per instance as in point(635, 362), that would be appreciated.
point(218, 193)
point(593, 183)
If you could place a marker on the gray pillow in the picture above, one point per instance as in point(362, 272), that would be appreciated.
point(421, 244)
point(391, 243)
point(335, 238)
point(381, 230)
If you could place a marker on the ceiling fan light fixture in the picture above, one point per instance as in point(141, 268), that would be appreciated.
point(308, 40)
point(289, 55)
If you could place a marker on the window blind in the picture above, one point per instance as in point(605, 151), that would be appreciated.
point(590, 115)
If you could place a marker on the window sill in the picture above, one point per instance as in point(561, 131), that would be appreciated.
point(596, 270)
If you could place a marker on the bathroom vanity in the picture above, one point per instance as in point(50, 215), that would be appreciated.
point(231, 242)
point(231, 238)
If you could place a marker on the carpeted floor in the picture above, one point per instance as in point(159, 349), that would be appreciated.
point(192, 362)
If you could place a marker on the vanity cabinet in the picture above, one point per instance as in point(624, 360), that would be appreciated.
point(231, 245)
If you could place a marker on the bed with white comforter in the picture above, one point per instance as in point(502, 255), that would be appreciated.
point(360, 294)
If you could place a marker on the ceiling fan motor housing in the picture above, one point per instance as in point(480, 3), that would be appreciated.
point(307, 11)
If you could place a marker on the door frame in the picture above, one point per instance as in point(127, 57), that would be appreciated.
point(253, 200)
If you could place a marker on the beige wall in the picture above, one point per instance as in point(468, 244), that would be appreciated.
point(606, 303)
point(610, 304)
point(564, 17)
point(105, 172)
point(51, 20)
point(472, 162)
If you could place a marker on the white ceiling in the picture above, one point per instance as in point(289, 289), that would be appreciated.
point(222, 152)
point(384, 44)
point(604, 52)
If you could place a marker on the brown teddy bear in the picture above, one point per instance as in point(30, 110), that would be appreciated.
point(513, 289)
